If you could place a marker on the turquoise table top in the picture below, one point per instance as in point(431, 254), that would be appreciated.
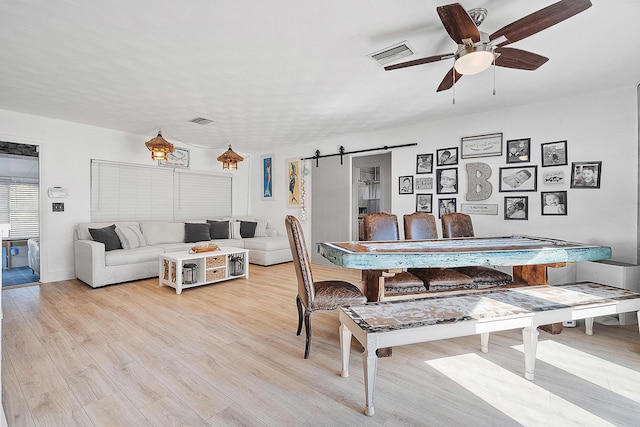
point(459, 252)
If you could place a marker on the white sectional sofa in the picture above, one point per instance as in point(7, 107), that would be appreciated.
point(98, 267)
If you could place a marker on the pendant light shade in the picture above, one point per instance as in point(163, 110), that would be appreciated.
point(159, 147)
point(230, 159)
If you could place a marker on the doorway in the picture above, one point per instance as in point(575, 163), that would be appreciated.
point(371, 189)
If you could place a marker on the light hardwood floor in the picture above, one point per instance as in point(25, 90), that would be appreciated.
point(226, 354)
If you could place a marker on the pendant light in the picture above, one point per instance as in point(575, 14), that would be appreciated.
point(159, 147)
point(230, 159)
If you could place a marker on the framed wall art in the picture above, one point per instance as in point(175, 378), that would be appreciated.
point(423, 203)
point(423, 183)
point(178, 159)
point(554, 202)
point(553, 177)
point(585, 174)
point(405, 184)
point(554, 153)
point(516, 207)
point(519, 150)
point(446, 206)
point(447, 180)
point(481, 145)
point(293, 183)
point(424, 163)
point(267, 177)
point(447, 156)
point(518, 178)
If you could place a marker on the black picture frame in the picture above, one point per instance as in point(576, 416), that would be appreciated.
point(580, 178)
point(518, 150)
point(559, 207)
point(424, 203)
point(516, 208)
point(450, 179)
point(554, 154)
point(405, 184)
point(515, 178)
point(447, 156)
point(424, 163)
point(448, 205)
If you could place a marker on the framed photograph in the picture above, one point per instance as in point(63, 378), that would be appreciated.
point(447, 156)
point(516, 207)
point(446, 206)
point(554, 202)
point(519, 150)
point(554, 153)
point(178, 159)
point(423, 203)
point(424, 163)
point(447, 180)
point(518, 178)
point(405, 184)
point(481, 145)
point(267, 177)
point(424, 183)
point(293, 183)
point(585, 174)
point(553, 177)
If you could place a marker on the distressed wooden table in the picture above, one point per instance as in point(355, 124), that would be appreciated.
point(391, 323)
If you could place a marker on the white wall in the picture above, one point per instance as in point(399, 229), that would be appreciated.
point(66, 150)
point(599, 126)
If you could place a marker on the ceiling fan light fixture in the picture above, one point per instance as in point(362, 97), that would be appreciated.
point(230, 159)
point(474, 59)
point(159, 147)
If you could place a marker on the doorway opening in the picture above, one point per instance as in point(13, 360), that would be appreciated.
point(371, 190)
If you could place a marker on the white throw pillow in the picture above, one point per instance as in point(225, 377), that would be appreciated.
point(236, 230)
point(130, 237)
point(261, 229)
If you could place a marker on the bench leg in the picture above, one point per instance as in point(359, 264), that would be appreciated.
point(530, 340)
point(370, 363)
point(588, 326)
point(484, 342)
point(345, 347)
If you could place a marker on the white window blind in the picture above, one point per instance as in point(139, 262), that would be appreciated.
point(126, 192)
point(19, 206)
point(201, 195)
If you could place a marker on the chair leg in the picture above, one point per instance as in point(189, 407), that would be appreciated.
point(299, 304)
point(307, 327)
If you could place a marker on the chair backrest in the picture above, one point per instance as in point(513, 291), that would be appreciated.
point(456, 225)
point(420, 225)
point(301, 259)
point(381, 226)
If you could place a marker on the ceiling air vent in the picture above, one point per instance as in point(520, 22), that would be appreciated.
point(392, 53)
point(201, 121)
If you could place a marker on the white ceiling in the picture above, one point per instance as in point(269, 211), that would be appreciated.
point(272, 72)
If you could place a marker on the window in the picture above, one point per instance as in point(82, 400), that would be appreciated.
point(19, 206)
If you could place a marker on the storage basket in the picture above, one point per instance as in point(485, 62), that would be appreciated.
point(216, 274)
point(216, 261)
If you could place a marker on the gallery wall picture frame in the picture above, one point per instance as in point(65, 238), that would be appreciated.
point(553, 177)
point(424, 163)
point(447, 181)
point(516, 208)
point(488, 145)
point(519, 150)
point(554, 153)
point(554, 202)
point(267, 177)
point(293, 183)
point(446, 206)
point(179, 158)
point(405, 184)
point(586, 174)
point(424, 203)
point(447, 156)
point(518, 178)
point(423, 183)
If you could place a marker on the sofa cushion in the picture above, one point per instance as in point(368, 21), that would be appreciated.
point(261, 228)
point(133, 256)
point(197, 232)
point(266, 243)
point(247, 229)
point(130, 236)
point(219, 229)
point(156, 232)
point(108, 236)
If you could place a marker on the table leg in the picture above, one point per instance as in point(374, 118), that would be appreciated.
point(484, 342)
point(345, 348)
point(588, 326)
point(537, 275)
point(370, 364)
point(530, 341)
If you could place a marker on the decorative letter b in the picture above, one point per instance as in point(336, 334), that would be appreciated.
point(479, 187)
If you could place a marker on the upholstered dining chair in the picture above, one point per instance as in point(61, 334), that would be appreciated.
point(384, 226)
point(460, 225)
point(421, 226)
point(312, 296)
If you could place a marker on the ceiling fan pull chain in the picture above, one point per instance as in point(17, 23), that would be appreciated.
point(453, 86)
point(494, 74)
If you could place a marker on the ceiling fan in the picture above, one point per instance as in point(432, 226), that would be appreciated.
point(477, 50)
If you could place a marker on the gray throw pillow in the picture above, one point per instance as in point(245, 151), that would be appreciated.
point(196, 232)
point(106, 235)
point(219, 229)
point(247, 229)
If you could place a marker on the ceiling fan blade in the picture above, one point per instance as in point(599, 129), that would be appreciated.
point(520, 59)
point(447, 82)
point(420, 61)
point(540, 20)
point(458, 23)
